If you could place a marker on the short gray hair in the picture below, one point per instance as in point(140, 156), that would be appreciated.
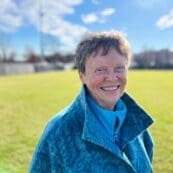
point(95, 41)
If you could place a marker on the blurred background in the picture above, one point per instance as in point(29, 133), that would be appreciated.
point(40, 35)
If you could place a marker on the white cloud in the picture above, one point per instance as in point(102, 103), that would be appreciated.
point(90, 18)
point(70, 2)
point(10, 18)
point(108, 12)
point(99, 17)
point(165, 21)
point(67, 32)
point(15, 15)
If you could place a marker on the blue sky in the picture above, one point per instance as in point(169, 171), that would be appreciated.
point(147, 24)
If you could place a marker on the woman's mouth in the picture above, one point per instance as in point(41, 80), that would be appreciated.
point(111, 88)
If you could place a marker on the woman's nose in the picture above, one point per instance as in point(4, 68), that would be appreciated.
point(112, 76)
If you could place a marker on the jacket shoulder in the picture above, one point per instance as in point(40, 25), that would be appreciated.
point(63, 121)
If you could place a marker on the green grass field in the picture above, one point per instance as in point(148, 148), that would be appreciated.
point(27, 102)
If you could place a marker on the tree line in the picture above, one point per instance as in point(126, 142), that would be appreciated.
point(151, 59)
point(148, 59)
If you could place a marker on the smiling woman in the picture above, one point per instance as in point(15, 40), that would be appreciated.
point(105, 77)
point(103, 129)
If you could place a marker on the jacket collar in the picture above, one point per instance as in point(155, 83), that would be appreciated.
point(136, 121)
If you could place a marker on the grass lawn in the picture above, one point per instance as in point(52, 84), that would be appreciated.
point(27, 102)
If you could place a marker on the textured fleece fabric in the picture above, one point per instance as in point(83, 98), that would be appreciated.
point(73, 143)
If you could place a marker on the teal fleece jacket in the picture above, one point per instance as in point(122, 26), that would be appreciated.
point(73, 143)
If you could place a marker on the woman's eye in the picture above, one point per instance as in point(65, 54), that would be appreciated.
point(120, 69)
point(101, 70)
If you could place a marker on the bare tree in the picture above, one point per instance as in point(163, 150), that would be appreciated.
point(31, 56)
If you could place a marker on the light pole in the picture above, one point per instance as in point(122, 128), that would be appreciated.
point(41, 15)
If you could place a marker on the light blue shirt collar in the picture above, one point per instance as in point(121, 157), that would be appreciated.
point(108, 119)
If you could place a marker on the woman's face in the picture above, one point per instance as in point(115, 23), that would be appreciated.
point(105, 77)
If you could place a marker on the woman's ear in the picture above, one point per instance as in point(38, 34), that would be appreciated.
point(81, 76)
